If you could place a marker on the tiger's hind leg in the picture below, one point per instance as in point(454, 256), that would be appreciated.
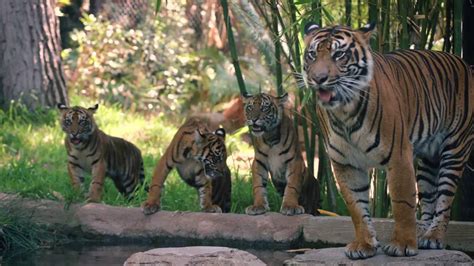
point(426, 179)
point(453, 160)
point(354, 185)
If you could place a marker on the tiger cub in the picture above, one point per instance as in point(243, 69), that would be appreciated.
point(277, 152)
point(200, 156)
point(90, 150)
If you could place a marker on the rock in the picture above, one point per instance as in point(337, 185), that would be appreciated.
point(99, 219)
point(200, 255)
point(336, 256)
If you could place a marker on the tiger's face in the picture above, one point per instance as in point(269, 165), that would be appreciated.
point(263, 112)
point(210, 150)
point(77, 122)
point(337, 63)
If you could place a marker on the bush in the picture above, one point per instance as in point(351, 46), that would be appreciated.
point(149, 68)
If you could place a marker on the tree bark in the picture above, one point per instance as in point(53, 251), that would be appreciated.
point(30, 63)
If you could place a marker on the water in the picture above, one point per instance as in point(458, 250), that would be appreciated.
point(92, 254)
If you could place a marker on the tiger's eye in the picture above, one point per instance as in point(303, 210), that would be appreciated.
point(338, 55)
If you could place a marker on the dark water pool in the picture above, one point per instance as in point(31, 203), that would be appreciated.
point(71, 255)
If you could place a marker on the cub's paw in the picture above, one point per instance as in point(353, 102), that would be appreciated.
point(360, 250)
point(291, 210)
point(430, 242)
point(256, 210)
point(92, 200)
point(400, 249)
point(150, 208)
point(213, 209)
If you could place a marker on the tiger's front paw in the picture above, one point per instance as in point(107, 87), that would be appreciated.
point(430, 241)
point(150, 208)
point(291, 209)
point(398, 248)
point(256, 210)
point(360, 250)
point(92, 199)
point(213, 209)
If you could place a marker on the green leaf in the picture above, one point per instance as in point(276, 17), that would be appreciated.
point(158, 6)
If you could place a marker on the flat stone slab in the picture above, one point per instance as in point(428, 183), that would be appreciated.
point(122, 222)
point(200, 255)
point(270, 231)
point(336, 256)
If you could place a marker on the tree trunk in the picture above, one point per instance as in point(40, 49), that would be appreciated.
point(30, 63)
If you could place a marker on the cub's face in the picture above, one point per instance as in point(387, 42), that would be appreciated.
point(77, 122)
point(210, 150)
point(337, 63)
point(263, 112)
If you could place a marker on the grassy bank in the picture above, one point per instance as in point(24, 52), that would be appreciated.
point(33, 158)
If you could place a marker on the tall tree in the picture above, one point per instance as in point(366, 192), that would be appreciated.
point(30, 63)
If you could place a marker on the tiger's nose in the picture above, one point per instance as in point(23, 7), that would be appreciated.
point(320, 79)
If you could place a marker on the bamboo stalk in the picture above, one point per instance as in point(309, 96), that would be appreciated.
point(348, 4)
point(232, 47)
point(403, 11)
point(447, 33)
point(386, 25)
point(457, 17)
point(373, 17)
point(276, 38)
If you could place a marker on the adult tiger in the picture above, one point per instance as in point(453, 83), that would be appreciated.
point(382, 111)
point(200, 156)
point(90, 150)
point(277, 152)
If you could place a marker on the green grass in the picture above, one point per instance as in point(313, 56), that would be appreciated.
point(33, 158)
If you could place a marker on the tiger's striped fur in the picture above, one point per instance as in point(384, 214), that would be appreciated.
point(90, 150)
point(277, 152)
point(383, 111)
point(200, 156)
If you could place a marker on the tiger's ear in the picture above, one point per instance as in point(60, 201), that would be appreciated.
point(94, 108)
point(282, 99)
point(310, 27)
point(220, 132)
point(367, 30)
point(246, 97)
point(62, 106)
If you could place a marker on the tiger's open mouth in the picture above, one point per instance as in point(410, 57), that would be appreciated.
point(325, 96)
point(75, 141)
point(257, 130)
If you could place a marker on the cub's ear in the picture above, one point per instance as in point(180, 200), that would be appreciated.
point(94, 108)
point(282, 99)
point(61, 106)
point(246, 97)
point(310, 27)
point(220, 132)
point(367, 30)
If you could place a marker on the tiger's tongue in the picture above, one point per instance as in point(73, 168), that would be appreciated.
point(325, 96)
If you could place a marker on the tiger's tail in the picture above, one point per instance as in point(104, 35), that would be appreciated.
point(310, 195)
